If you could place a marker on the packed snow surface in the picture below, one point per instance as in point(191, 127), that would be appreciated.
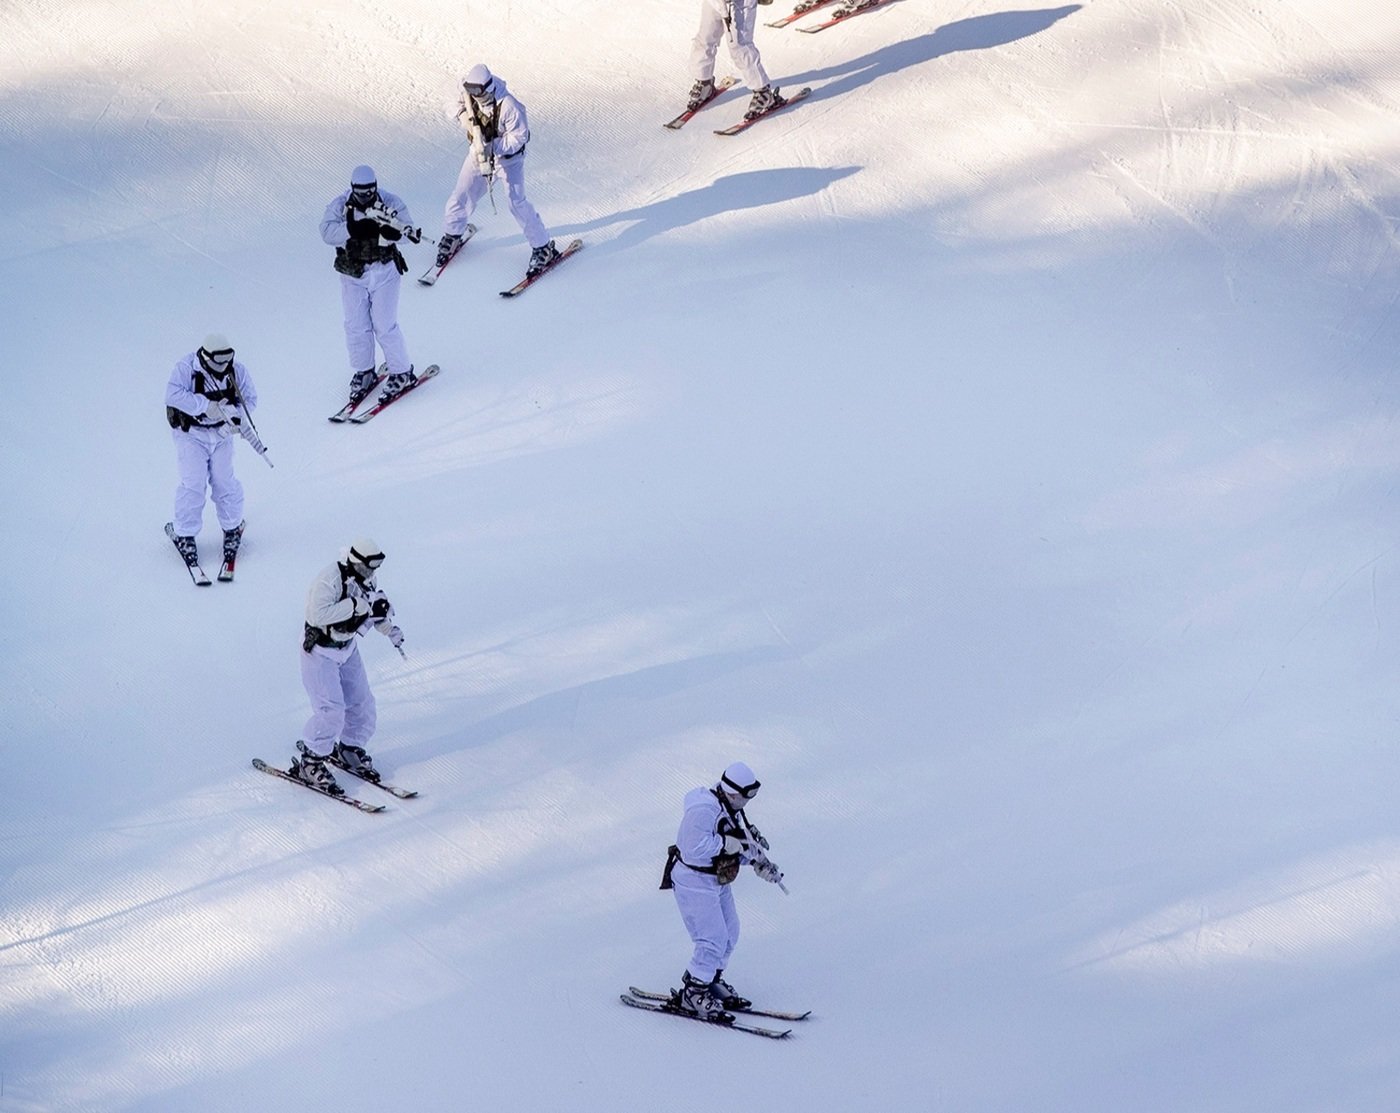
point(997, 451)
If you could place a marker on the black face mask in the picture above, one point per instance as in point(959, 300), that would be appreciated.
point(362, 197)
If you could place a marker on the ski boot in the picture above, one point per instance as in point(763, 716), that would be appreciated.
point(540, 258)
point(189, 550)
point(447, 247)
point(724, 993)
point(700, 92)
point(356, 761)
point(396, 384)
point(361, 383)
point(311, 769)
point(695, 999)
point(765, 100)
point(232, 539)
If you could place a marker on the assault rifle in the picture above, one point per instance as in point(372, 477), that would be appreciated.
point(380, 213)
point(757, 852)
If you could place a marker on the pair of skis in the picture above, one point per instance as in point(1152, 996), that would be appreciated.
point(664, 1003)
point(433, 273)
point(351, 412)
point(198, 576)
point(341, 797)
point(848, 9)
point(721, 86)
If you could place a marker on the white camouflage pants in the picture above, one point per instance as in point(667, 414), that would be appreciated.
point(743, 13)
point(371, 304)
point(205, 460)
point(471, 187)
point(707, 909)
point(342, 706)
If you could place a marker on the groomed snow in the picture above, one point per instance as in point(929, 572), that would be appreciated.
point(996, 451)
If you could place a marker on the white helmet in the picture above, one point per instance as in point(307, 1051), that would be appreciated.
point(364, 557)
point(738, 784)
point(364, 187)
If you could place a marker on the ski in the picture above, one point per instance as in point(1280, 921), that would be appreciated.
point(746, 123)
point(362, 805)
point(723, 84)
point(433, 273)
point(649, 995)
point(530, 279)
point(799, 11)
point(427, 373)
point(232, 540)
point(843, 14)
point(730, 1023)
point(401, 793)
point(343, 414)
point(191, 562)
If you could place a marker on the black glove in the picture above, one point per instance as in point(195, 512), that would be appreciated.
point(390, 234)
point(380, 608)
point(360, 229)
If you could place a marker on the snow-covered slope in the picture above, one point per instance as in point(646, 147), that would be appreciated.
point(996, 451)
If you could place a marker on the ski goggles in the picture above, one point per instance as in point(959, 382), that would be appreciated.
point(747, 792)
point(364, 194)
point(478, 92)
point(218, 361)
point(372, 561)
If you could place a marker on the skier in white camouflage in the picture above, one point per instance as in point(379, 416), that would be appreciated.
point(343, 602)
point(364, 224)
point(714, 840)
point(499, 130)
point(734, 19)
point(207, 398)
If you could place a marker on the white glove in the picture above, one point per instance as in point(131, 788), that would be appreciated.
point(734, 845)
point(224, 411)
point(768, 871)
point(485, 162)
